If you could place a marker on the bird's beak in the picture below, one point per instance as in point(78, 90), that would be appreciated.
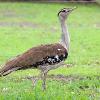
point(72, 8)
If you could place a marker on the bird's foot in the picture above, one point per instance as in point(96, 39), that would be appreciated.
point(43, 87)
point(34, 81)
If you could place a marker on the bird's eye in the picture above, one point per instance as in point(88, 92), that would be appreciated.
point(63, 10)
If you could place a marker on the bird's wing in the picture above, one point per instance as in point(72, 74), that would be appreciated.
point(37, 56)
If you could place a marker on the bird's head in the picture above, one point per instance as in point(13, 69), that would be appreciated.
point(63, 13)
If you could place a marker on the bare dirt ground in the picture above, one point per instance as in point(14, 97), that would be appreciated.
point(64, 78)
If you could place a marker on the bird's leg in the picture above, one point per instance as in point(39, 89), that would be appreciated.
point(44, 75)
point(34, 81)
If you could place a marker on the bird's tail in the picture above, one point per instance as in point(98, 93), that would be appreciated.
point(7, 70)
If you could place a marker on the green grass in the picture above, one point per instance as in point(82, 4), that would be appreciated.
point(24, 25)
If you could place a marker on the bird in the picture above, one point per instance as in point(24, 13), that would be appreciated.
point(43, 57)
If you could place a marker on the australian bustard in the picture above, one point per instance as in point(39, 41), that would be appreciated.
point(44, 57)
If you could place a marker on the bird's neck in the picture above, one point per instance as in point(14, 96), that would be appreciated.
point(65, 38)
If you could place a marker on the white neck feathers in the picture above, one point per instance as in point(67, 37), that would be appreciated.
point(65, 39)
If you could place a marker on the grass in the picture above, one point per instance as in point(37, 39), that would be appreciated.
point(24, 25)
